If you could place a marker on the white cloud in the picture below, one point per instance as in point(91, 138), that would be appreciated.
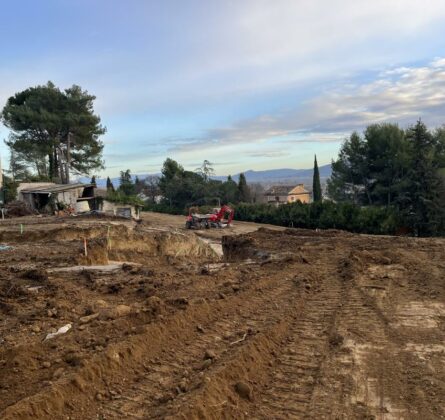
point(410, 93)
point(164, 59)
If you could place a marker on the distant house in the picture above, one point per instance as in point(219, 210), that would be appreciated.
point(282, 194)
point(49, 197)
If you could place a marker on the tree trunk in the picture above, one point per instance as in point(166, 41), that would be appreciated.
point(68, 158)
point(56, 170)
point(50, 166)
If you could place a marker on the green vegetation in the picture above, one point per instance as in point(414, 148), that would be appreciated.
point(243, 189)
point(326, 215)
point(120, 197)
point(181, 189)
point(53, 133)
point(9, 189)
point(397, 169)
point(126, 193)
point(127, 186)
point(385, 181)
point(316, 185)
point(110, 186)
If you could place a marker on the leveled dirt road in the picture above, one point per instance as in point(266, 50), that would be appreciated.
point(289, 324)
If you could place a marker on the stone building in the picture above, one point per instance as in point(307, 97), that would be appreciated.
point(282, 194)
point(49, 197)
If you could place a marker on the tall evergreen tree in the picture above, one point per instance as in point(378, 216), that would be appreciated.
point(229, 191)
point(387, 159)
point(316, 186)
point(421, 200)
point(126, 183)
point(93, 180)
point(110, 186)
point(243, 189)
point(350, 172)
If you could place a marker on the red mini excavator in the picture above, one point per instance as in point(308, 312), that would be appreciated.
point(217, 219)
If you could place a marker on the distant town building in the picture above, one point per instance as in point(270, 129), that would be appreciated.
point(282, 194)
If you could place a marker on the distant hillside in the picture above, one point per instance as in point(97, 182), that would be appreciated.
point(268, 177)
point(283, 176)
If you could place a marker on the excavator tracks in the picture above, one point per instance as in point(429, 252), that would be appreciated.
point(291, 325)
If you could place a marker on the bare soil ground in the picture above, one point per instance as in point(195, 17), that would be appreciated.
point(286, 324)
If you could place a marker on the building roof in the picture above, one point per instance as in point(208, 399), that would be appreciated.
point(286, 190)
point(298, 190)
point(48, 189)
point(279, 190)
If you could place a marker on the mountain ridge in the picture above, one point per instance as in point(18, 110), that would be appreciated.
point(266, 177)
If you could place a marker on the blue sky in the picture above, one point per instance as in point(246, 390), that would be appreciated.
point(250, 84)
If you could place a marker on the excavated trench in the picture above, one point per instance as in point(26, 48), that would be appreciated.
point(54, 276)
point(292, 324)
point(100, 244)
point(140, 246)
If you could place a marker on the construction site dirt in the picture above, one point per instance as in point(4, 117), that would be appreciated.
point(106, 318)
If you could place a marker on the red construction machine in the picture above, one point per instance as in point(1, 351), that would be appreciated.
point(220, 218)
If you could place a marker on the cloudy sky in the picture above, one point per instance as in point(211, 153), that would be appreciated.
point(251, 84)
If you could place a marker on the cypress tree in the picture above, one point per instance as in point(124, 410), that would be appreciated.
point(110, 186)
point(243, 189)
point(316, 186)
point(93, 180)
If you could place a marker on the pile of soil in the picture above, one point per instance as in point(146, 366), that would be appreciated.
point(290, 324)
point(18, 209)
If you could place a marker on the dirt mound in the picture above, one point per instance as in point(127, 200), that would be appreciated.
point(18, 209)
point(294, 324)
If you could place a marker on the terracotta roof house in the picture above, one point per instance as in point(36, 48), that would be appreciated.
point(282, 194)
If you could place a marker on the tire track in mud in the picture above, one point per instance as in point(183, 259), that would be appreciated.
point(283, 362)
point(124, 362)
point(292, 383)
point(348, 386)
point(153, 395)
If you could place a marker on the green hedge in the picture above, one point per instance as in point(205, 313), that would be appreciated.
point(328, 215)
point(120, 198)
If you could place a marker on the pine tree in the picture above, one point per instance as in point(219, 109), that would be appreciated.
point(229, 191)
point(243, 189)
point(421, 201)
point(110, 186)
point(55, 131)
point(93, 180)
point(126, 183)
point(316, 186)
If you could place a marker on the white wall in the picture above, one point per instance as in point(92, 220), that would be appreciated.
point(111, 208)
